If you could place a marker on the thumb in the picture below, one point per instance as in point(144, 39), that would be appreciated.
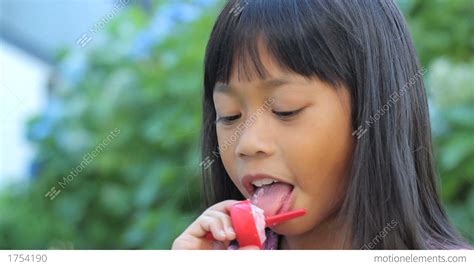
point(249, 248)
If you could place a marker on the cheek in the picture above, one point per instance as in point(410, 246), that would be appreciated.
point(226, 147)
point(324, 156)
point(226, 153)
point(319, 156)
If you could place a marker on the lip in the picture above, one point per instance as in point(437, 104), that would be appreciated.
point(247, 180)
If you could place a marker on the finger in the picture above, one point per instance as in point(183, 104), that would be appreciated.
point(226, 223)
point(201, 225)
point(223, 206)
point(216, 228)
point(210, 224)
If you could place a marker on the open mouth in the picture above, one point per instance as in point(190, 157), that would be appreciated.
point(272, 195)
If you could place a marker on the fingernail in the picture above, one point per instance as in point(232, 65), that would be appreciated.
point(230, 230)
point(222, 233)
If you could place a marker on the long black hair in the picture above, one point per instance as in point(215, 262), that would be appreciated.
point(366, 46)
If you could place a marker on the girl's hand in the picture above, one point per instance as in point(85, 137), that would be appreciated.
point(216, 220)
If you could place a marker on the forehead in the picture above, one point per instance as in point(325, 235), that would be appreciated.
point(255, 62)
point(261, 69)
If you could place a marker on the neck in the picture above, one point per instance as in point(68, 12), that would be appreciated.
point(327, 235)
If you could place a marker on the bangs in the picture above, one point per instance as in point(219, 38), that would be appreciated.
point(299, 36)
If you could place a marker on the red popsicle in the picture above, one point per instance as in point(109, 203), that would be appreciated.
point(243, 220)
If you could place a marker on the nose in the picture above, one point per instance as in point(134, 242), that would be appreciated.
point(255, 139)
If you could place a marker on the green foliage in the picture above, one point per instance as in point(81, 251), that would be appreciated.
point(441, 28)
point(143, 188)
point(452, 96)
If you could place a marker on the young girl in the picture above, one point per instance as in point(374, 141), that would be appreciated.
point(319, 104)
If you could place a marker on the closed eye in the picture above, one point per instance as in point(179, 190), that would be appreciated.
point(287, 114)
point(228, 120)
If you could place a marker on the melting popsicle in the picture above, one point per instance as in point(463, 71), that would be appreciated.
point(249, 223)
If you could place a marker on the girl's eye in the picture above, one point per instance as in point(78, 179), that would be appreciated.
point(288, 114)
point(228, 120)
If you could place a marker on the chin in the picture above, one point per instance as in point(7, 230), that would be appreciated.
point(292, 228)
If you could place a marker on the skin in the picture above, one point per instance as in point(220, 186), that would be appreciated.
point(310, 149)
point(216, 220)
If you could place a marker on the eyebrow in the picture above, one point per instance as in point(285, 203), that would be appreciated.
point(267, 84)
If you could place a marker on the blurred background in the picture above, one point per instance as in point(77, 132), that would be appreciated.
point(101, 106)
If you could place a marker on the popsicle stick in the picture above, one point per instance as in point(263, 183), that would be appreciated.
point(283, 217)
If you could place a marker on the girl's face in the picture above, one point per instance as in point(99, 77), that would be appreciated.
point(303, 137)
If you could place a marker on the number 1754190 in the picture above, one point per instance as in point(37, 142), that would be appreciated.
point(28, 257)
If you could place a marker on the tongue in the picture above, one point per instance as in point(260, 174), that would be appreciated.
point(271, 198)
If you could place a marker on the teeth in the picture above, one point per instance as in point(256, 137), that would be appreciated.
point(263, 182)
